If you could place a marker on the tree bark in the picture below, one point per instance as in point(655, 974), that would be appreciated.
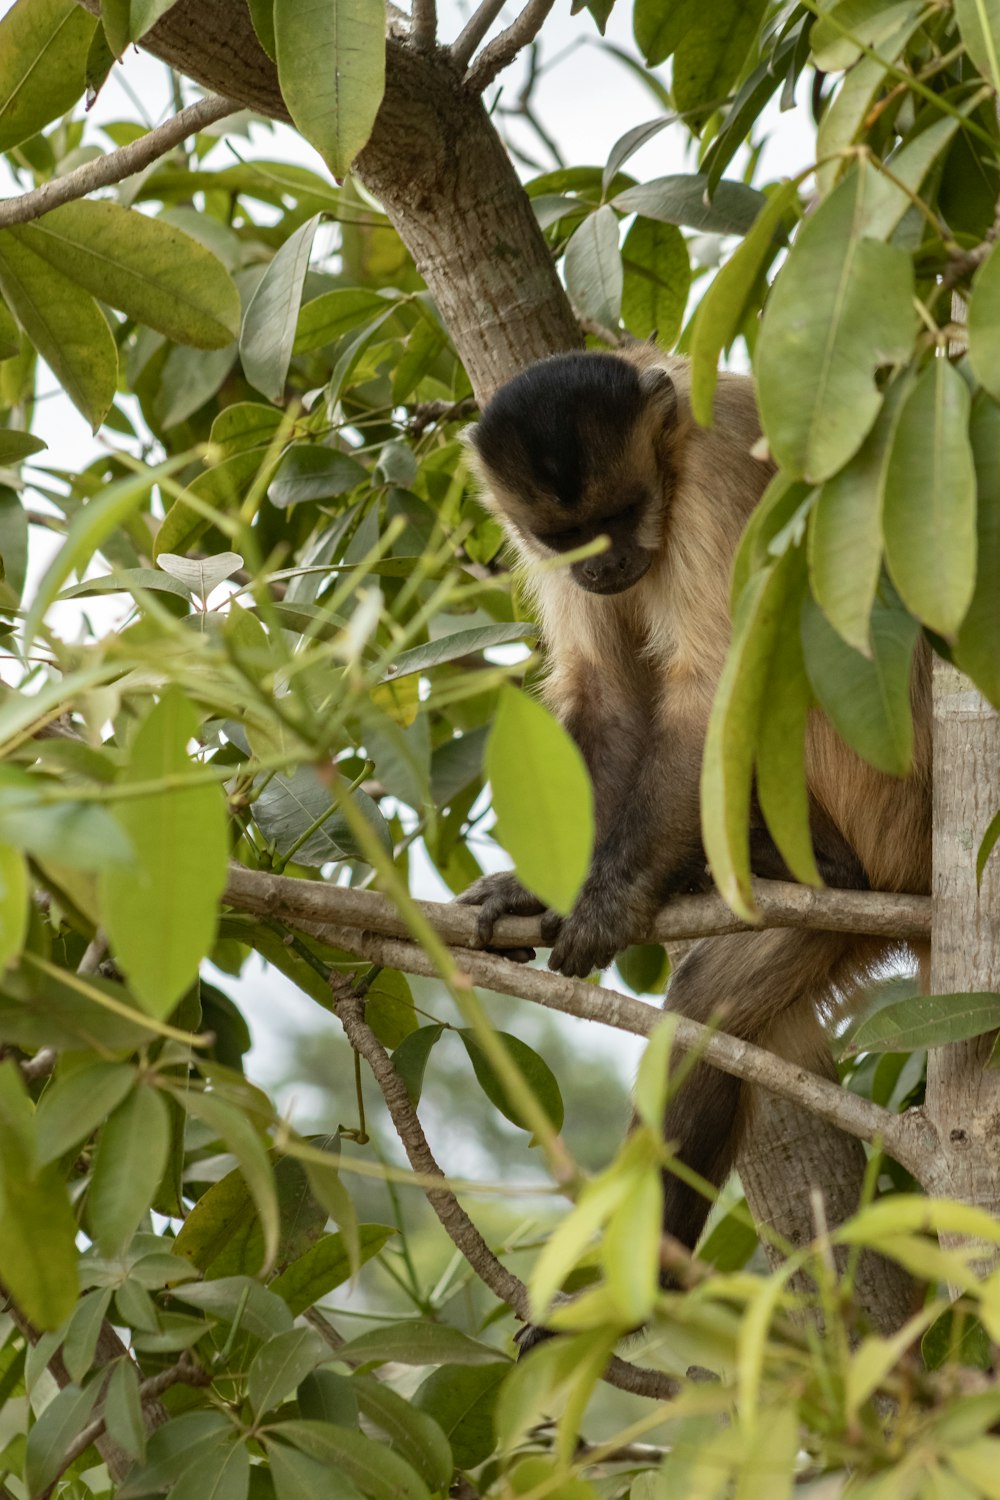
point(963, 1094)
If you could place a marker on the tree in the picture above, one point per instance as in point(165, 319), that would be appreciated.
point(308, 588)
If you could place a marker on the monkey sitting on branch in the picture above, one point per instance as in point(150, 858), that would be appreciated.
point(582, 446)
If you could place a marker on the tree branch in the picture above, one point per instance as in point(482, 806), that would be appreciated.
point(504, 48)
point(575, 997)
point(474, 30)
point(780, 903)
point(117, 165)
point(455, 1221)
point(423, 29)
point(186, 1371)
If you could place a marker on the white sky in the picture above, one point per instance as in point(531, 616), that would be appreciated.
point(586, 99)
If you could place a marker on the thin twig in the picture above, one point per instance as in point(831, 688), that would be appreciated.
point(828, 1101)
point(780, 903)
point(456, 1222)
point(186, 1371)
point(423, 29)
point(94, 956)
point(474, 30)
point(117, 165)
point(504, 48)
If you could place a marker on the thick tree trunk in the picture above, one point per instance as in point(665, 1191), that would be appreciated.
point(963, 1094)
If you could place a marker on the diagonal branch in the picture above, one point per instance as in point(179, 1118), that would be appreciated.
point(504, 48)
point(849, 1112)
point(456, 1222)
point(475, 29)
point(117, 165)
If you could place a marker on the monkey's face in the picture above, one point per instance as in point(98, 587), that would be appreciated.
point(572, 450)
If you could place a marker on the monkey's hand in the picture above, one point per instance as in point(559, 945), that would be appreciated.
point(601, 924)
point(501, 895)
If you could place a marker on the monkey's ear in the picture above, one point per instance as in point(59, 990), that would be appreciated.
point(469, 436)
point(659, 390)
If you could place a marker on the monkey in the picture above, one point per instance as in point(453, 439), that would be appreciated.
point(589, 445)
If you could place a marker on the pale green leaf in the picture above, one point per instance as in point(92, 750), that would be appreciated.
point(683, 199)
point(929, 509)
point(146, 267)
point(236, 1132)
point(69, 330)
point(200, 574)
point(543, 798)
point(844, 119)
point(986, 846)
point(630, 1248)
point(462, 643)
point(327, 317)
point(370, 1466)
point(75, 1104)
point(51, 1436)
point(979, 23)
point(331, 67)
point(413, 1343)
point(15, 445)
point(160, 911)
point(43, 46)
point(977, 649)
point(926, 1021)
point(841, 307)
point(268, 332)
point(593, 267)
point(888, 199)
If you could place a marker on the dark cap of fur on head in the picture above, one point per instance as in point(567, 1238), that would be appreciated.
point(557, 415)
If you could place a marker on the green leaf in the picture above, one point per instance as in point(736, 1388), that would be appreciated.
point(326, 1265)
point(89, 528)
point(240, 1301)
point(845, 530)
point(866, 700)
point(309, 471)
point(10, 334)
point(413, 1343)
point(79, 834)
point(224, 1474)
point(630, 1247)
point(38, 1259)
point(243, 1141)
point(123, 1410)
point(926, 1021)
point(644, 967)
point(15, 445)
point(184, 1443)
point(298, 1477)
point(288, 805)
point(723, 309)
point(682, 199)
point(593, 267)
point(462, 643)
point(841, 306)
point(75, 1104)
point(331, 67)
point(871, 22)
point(370, 1466)
point(146, 267)
point(280, 1366)
point(80, 1343)
point(929, 511)
point(888, 199)
point(462, 1402)
point(660, 28)
point(160, 912)
point(956, 1337)
point(411, 1433)
point(535, 1071)
point(712, 54)
point(42, 47)
point(69, 330)
point(268, 331)
point(979, 23)
point(657, 278)
point(51, 1436)
point(847, 118)
point(986, 847)
point(977, 649)
point(130, 1160)
point(15, 894)
point(543, 798)
point(327, 317)
point(984, 323)
point(733, 731)
point(262, 16)
point(410, 1058)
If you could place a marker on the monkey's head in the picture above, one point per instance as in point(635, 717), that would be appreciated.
point(574, 448)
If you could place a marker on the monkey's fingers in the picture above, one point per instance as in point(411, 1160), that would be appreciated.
point(551, 927)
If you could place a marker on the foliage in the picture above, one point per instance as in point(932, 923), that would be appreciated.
point(271, 631)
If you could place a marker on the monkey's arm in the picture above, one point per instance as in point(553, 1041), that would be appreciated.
point(647, 849)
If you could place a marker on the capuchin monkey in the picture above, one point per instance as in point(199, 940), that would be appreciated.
point(604, 445)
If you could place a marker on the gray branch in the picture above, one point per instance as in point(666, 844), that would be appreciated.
point(504, 48)
point(423, 30)
point(474, 30)
point(117, 165)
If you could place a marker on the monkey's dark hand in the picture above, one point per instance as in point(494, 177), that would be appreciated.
point(599, 926)
point(501, 895)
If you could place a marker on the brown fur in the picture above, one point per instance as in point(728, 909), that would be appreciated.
point(632, 675)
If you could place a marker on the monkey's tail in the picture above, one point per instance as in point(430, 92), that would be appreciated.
point(770, 988)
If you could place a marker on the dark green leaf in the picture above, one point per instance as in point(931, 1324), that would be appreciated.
point(287, 806)
point(326, 1265)
point(310, 472)
point(42, 47)
point(926, 1021)
point(416, 1343)
point(682, 199)
point(593, 267)
point(409, 1431)
point(129, 1162)
point(280, 1366)
point(370, 1466)
point(712, 54)
point(978, 647)
point(534, 1070)
point(269, 325)
point(462, 643)
point(657, 278)
point(52, 1435)
point(462, 1401)
point(410, 1058)
point(75, 1104)
point(986, 847)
